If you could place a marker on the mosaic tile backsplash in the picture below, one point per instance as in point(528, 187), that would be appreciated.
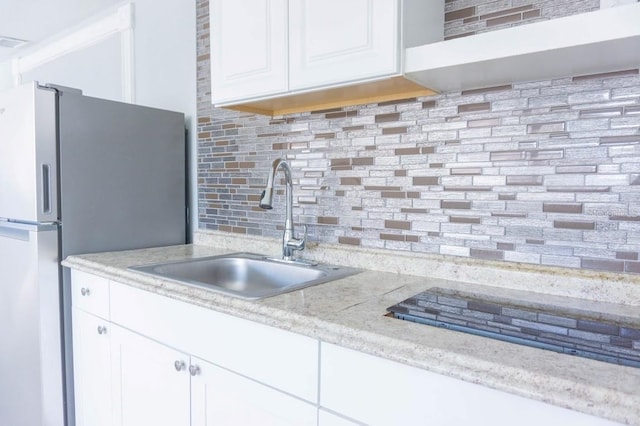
point(544, 172)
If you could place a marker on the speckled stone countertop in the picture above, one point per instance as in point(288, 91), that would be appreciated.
point(351, 312)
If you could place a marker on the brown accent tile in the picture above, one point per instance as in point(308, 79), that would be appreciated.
point(268, 135)
point(340, 162)
point(426, 180)
point(413, 194)
point(325, 136)
point(412, 238)
point(625, 218)
point(400, 173)
point(202, 120)
point(517, 215)
point(362, 161)
point(576, 169)
point(204, 135)
point(247, 164)
point(427, 149)
point(333, 115)
point(396, 102)
point(397, 224)
point(350, 181)
point(477, 107)
point(619, 139)
point(534, 241)
point(504, 20)
point(524, 180)
point(225, 228)
point(349, 241)
point(464, 219)
point(627, 255)
point(383, 118)
point(357, 228)
point(487, 254)
point(356, 208)
point(460, 14)
point(633, 267)
point(407, 151)
point(546, 127)
point(392, 237)
point(279, 146)
point(506, 246)
point(393, 194)
point(328, 220)
point(467, 171)
point(436, 165)
point(606, 75)
point(461, 205)
point(506, 196)
point(408, 210)
point(428, 104)
point(394, 130)
point(352, 128)
point(470, 20)
point(238, 181)
point(565, 224)
point(531, 14)
point(487, 89)
point(562, 207)
point(370, 147)
point(506, 12)
point(621, 342)
point(339, 193)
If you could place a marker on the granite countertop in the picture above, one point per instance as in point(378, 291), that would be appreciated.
point(351, 312)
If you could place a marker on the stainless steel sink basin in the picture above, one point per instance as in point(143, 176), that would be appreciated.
point(246, 275)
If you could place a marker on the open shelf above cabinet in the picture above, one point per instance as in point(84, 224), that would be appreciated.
point(589, 43)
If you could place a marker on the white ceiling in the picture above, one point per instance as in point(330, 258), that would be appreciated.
point(37, 20)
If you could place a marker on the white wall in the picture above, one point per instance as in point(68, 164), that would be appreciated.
point(163, 64)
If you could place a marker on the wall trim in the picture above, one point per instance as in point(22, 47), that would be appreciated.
point(121, 22)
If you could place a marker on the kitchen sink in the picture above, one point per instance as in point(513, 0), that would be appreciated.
point(247, 275)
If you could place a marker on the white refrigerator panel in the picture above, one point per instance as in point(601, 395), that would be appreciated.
point(31, 380)
point(28, 166)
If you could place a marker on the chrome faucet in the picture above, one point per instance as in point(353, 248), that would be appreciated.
point(289, 242)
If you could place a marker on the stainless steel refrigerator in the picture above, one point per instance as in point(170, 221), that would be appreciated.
point(77, 175)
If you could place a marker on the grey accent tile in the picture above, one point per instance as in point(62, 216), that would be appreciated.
point(630, 333)
point(524, 180)
point(598, 327)
point(490, 308)
point(603, 264)
point(564, 224)
point(546, 127)
point(540, 327)
point(562, 208)
point(447, 204)
point(487, 254)
point(557, 320)
point(576, 169)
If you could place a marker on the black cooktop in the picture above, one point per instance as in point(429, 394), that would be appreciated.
point(542, 326)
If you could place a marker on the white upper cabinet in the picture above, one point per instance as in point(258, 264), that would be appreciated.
point(281, 56)
point(337, 41)
point(248, 45)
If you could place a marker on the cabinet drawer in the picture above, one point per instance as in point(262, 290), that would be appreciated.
point(90, 293)
point(376, 391)
point(278, 358)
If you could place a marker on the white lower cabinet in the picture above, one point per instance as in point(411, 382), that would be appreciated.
point(376, 391)
point(92, 367)
point(222, 398)
point(150, 381)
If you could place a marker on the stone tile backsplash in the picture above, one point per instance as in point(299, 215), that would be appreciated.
point(544, 172)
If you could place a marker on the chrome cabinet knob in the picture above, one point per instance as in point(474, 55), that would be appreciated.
point(194, 370)
point(102, 329)
point(179, 365)
point(85, 291)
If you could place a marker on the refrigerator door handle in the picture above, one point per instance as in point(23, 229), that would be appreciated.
point(46, 188)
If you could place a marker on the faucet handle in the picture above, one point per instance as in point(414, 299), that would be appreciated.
point(298, 243)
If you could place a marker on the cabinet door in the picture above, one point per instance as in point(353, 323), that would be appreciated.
point(248, 48)
point(91, 369)
point(150, 381)
point(337, 41)
point(222, 398)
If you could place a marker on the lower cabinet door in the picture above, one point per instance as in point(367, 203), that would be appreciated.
point(222, 398)
point(92, 369)
point(150, 382)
